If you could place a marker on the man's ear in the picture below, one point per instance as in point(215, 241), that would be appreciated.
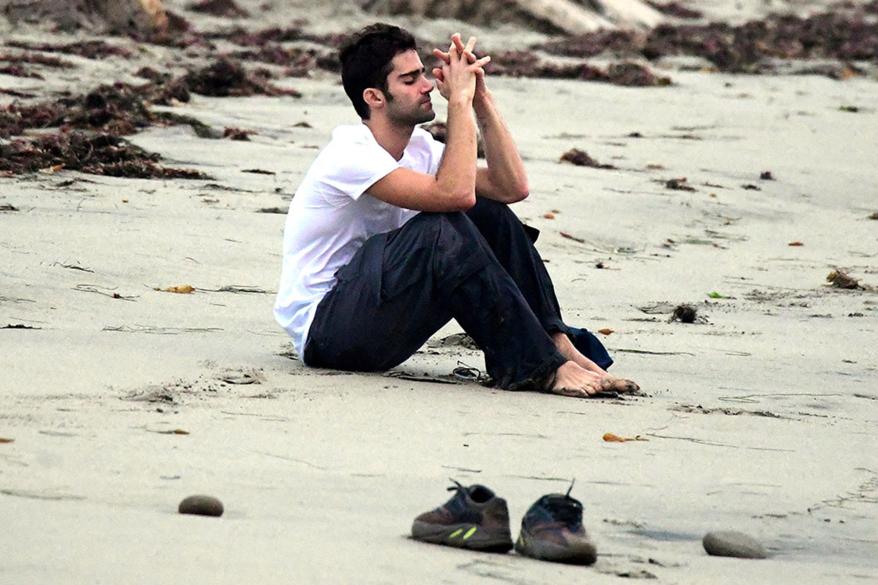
point(374, 98)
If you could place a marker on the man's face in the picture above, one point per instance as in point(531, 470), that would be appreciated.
point(408, 89)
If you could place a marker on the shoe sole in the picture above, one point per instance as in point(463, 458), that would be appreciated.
point(468, 536)
point(582, 553)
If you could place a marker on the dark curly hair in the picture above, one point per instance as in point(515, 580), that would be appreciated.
point(366, 60)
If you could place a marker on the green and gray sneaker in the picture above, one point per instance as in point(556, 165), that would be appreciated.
point(474, 518)
point(552, 530)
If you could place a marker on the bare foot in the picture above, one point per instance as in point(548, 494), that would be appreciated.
point(608, 382)
point(573, 380)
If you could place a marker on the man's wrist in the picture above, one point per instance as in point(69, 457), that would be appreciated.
point(482, 102)
point(460, 101)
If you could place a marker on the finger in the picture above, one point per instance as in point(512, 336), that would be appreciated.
point(441, 55)
point(483, 61)
point(456, 43)
point(470, 44)
point(437, 74)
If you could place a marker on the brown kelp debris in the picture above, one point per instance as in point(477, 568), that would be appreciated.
point(838, 278)
point(678, 184)
point(121, 109)
point(17, 63)
point(873, 215)
point(581, 158)
point(226, 77)
point(117, 109)
point(845, 33)
point(527, 64)
point(237, 134)
point(19, 71)
point(439, 131)
point(621, 42)
point(94, 49)
point(299, 62)
point(675, 9)
point(246, 38)
point(630, 74)
point(35, 59)
point(223, 8)
point(766, 176)
point(97, 154)
point(16, 118)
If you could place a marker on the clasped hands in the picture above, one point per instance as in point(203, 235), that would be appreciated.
point(460, 72)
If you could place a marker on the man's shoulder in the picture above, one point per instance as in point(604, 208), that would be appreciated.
point(351, 135)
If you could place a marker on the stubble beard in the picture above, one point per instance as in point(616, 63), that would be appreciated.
point(412, 117)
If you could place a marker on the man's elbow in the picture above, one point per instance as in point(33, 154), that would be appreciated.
point(519, 192)
point(466, 200)
point(457, 200)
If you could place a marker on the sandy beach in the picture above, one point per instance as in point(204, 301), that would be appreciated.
point(118, 398)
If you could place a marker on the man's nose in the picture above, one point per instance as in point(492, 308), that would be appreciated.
point(429, 85)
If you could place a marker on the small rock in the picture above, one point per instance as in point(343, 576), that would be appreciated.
point(201, 506)
point(728, 543)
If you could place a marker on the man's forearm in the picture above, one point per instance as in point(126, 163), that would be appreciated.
point(457, 173)
point(504, 162)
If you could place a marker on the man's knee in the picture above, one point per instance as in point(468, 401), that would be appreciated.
point(489, 214)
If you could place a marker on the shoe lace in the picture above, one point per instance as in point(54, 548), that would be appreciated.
point(456, 487)
point(566, 509)
point(477, 493)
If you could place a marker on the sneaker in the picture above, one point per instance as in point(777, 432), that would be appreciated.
point(552, 530)
point(474, 518)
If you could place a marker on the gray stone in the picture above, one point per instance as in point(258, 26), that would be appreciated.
point(201, 506)
point(728, 543)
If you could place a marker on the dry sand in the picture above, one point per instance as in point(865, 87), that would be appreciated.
point(762, 418)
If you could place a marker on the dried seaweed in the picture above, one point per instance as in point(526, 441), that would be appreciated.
point(845, 34)
point(97, 154)
point(237, 134)
point(675, 9)
point(227, 77)
point(245, 38)
point(838, 278)
point(528, 64)
point(94, 49)
point(36, 59)
point(19, 71)
point(121, 109)
point(678, 184)
point(581, 158)
point(299, 62)
point(16, 118)
point(223, 8)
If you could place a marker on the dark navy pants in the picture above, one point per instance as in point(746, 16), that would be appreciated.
point(479, 267)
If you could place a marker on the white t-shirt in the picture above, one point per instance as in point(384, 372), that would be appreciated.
point(331, 215)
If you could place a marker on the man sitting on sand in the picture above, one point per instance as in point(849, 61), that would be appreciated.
point(392, 234)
